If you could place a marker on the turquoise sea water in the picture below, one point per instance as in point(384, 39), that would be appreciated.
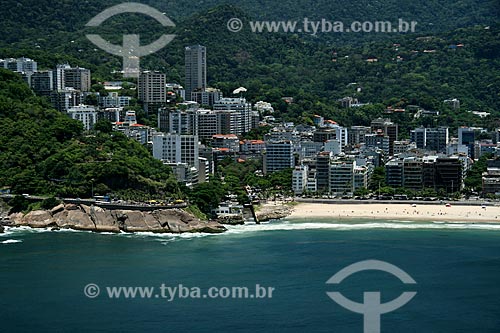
point(456, 267)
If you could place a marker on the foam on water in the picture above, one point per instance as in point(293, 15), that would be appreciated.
point(284, 225)
point(11, 241)
point(6, 233)
point(335, 225)
point(164, 238)
point(24, 230)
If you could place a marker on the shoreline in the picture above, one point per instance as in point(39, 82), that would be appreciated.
point(397, 211)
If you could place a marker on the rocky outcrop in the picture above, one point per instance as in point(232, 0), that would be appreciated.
point(104, 220)
point(231, 219)
point(92, 218)
point(272, 212)
point(38, 219)
point(57, 209)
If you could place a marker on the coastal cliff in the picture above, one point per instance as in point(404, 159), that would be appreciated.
point(93, 218)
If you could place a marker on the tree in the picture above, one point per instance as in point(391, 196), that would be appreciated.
point(361, 192)
point(91, 99)
point(207, 196)
point(474, 178)
point(378, 178)
point(104, 126)
point(18, 204)
point(49, 203)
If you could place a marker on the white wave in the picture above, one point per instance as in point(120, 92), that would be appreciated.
point(67, 230)
point(285, 225)
point(11, 241)
point(25, 229)
point(165, 237)
point(6, 233)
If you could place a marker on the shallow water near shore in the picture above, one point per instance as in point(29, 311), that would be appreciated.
point(456, 267)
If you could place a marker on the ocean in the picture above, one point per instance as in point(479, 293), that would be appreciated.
point(47, 277)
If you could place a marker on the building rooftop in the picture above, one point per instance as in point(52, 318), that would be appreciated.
point(224, 136)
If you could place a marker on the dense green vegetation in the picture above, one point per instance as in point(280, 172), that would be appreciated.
point(21, 19)
point(474, 182)
point(20, 204)
point(46, 152)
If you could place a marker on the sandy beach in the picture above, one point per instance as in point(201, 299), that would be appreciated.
point(398, 212)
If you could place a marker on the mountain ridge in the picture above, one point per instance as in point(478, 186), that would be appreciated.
point(45, 17)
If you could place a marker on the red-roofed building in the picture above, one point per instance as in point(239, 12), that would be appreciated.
point(226, 141)
point(252, 146)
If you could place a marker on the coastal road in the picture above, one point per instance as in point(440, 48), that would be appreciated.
point(107, 205)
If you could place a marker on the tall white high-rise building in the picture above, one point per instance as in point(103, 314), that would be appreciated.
point(299, 179)
point(237, 105)
point(176, 148)
point(59, 76)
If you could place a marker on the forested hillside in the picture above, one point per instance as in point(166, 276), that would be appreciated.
point(28, 19)
point(43, 151)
